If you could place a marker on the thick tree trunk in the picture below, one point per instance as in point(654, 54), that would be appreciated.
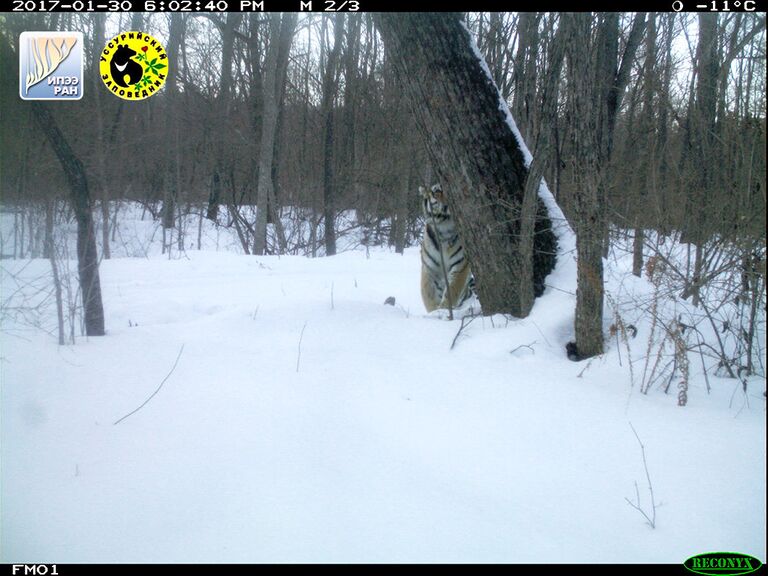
point(475, 154)
point(87, 258)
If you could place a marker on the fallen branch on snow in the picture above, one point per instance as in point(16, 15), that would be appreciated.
point(155, 392)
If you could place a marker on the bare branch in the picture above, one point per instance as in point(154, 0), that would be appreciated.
point(155, 392)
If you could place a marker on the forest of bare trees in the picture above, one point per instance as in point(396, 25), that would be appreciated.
point(648, 128)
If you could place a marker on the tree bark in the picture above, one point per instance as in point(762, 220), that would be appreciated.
point(589, 227)
point(588, 202)
point(597, 82)
point(475, 154)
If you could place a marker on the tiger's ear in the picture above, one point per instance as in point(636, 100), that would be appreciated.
point(423, 191)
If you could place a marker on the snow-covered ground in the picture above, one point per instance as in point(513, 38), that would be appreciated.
point(306, 421)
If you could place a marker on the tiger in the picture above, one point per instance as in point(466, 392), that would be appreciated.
point(442, 255)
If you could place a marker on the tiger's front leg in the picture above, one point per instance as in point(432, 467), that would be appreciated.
point(455, 293)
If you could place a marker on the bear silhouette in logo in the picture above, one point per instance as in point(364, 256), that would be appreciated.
point(121, 66)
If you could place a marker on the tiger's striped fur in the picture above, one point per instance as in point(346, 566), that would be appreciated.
point(442, 255)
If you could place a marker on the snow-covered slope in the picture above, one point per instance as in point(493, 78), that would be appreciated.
point(308, 421)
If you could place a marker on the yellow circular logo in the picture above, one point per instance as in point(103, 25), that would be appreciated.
point(133, 65)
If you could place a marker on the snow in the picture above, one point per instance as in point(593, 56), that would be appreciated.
point(306, 421)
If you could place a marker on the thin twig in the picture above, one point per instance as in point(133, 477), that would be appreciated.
point(155, 392)
point(301, 337)
point(589, 363)
point(529, 346)
point(651, 520)
point(465, 321)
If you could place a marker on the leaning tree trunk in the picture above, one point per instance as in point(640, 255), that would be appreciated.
point(475, 154)
point(87, 259)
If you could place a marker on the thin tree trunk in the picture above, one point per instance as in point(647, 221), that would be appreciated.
point(173, 159)
point(704, 127)
point(647, 179)
point(98, 43)
point(330, 85)
point(50, 253)
point(287, 30)
point(531, 278)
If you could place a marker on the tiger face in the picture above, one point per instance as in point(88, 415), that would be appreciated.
point(433, 203)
